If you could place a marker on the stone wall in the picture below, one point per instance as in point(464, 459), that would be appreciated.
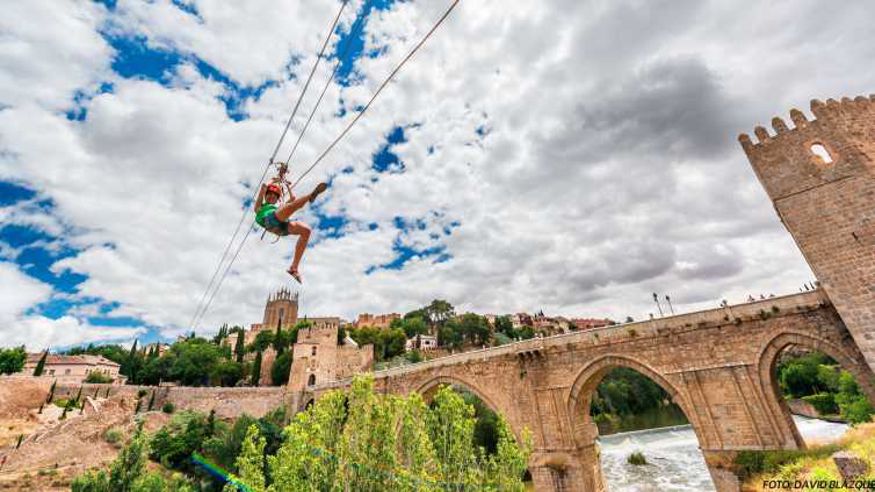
point(228, 403)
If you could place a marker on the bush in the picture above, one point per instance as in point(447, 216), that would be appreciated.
point(98, 378)
point(414, 356)
point(637, 458)
point(141, 393)
point(824, 403)
point(113, 436)
point(167, 407)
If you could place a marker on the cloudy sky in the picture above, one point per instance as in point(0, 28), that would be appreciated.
point(570, 156)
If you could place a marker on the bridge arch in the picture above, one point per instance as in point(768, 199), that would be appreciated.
point(429, 387)
point(846, 355)
point(587, 380)
point(585, 431)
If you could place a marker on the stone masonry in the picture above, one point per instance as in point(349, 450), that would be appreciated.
point(717, 365)
point(828, 204)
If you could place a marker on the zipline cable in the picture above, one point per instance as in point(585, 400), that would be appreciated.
point(352, 31)
point(199, 311)
point(338, 138)
point(377, 93)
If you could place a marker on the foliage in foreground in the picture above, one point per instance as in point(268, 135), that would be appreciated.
point(128, 473)
point(366, 442)
point(815, 463)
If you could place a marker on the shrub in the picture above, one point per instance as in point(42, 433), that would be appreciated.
point(167, 407)
point(98, 378)
point(637, 458)
point(113, 436)
point(141, 393)
point(824, 403)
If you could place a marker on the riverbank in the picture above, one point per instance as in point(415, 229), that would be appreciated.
point(814, 463)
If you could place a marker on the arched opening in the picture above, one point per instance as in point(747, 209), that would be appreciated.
point(634, 430)
point(821, 153)
point(814, 379)
point(311, 381)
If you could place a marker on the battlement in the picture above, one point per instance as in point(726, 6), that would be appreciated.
point(283, 294)
point(828, 148)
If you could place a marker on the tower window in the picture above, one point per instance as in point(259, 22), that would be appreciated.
point(820, 151)
point(311, 381)
point(313, 351)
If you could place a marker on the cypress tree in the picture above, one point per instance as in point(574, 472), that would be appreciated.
point(78, 395)
point(239, 348)
point(277, 340)
point(151, 400)
point(41, 405)
point(20, 438)
point(139, 403)
point(132, 361)
point(52, 391)
point(38, 370)
point(107, 392)
point(256, 370)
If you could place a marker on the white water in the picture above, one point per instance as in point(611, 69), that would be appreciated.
point(674, 462)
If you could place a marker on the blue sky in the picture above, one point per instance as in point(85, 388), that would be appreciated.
point(134, 57)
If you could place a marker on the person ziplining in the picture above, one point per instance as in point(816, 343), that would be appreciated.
point(274, 217)
point(271, 212)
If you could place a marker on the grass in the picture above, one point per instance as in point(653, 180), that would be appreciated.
point(814, 463)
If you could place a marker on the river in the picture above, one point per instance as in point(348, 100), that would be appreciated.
point(674, 460)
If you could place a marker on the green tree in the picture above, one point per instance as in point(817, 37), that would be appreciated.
point(250, 463)
point(240, 347)
point(370, 442)
point(262, 341)
point(279, 372)
point(226, 373)
point(439, 312)
point(410, 326)
point(191, 362)
point(256, 369)
point(96, 377)
point(12, 360)
point(127, 473)
point(173, 444)
point(475, 329)
point(41, 364)
point(503, 324)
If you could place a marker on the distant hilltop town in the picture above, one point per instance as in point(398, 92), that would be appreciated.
point(304, 351)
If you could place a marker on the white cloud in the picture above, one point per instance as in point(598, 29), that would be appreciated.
point(19, 293)
point(609, 169)
point(48, 50)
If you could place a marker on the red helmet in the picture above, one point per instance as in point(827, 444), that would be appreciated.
point(274, 188)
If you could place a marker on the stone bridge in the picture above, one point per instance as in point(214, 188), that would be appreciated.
point(718, 366)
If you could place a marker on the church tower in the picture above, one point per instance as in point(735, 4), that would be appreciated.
point(281, 310)
point(820, 175)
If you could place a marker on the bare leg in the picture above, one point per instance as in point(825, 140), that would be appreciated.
point(286, 210)
point(301, 230)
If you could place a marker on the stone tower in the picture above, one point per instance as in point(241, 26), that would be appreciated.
point(820, 176)
point(281, 310)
